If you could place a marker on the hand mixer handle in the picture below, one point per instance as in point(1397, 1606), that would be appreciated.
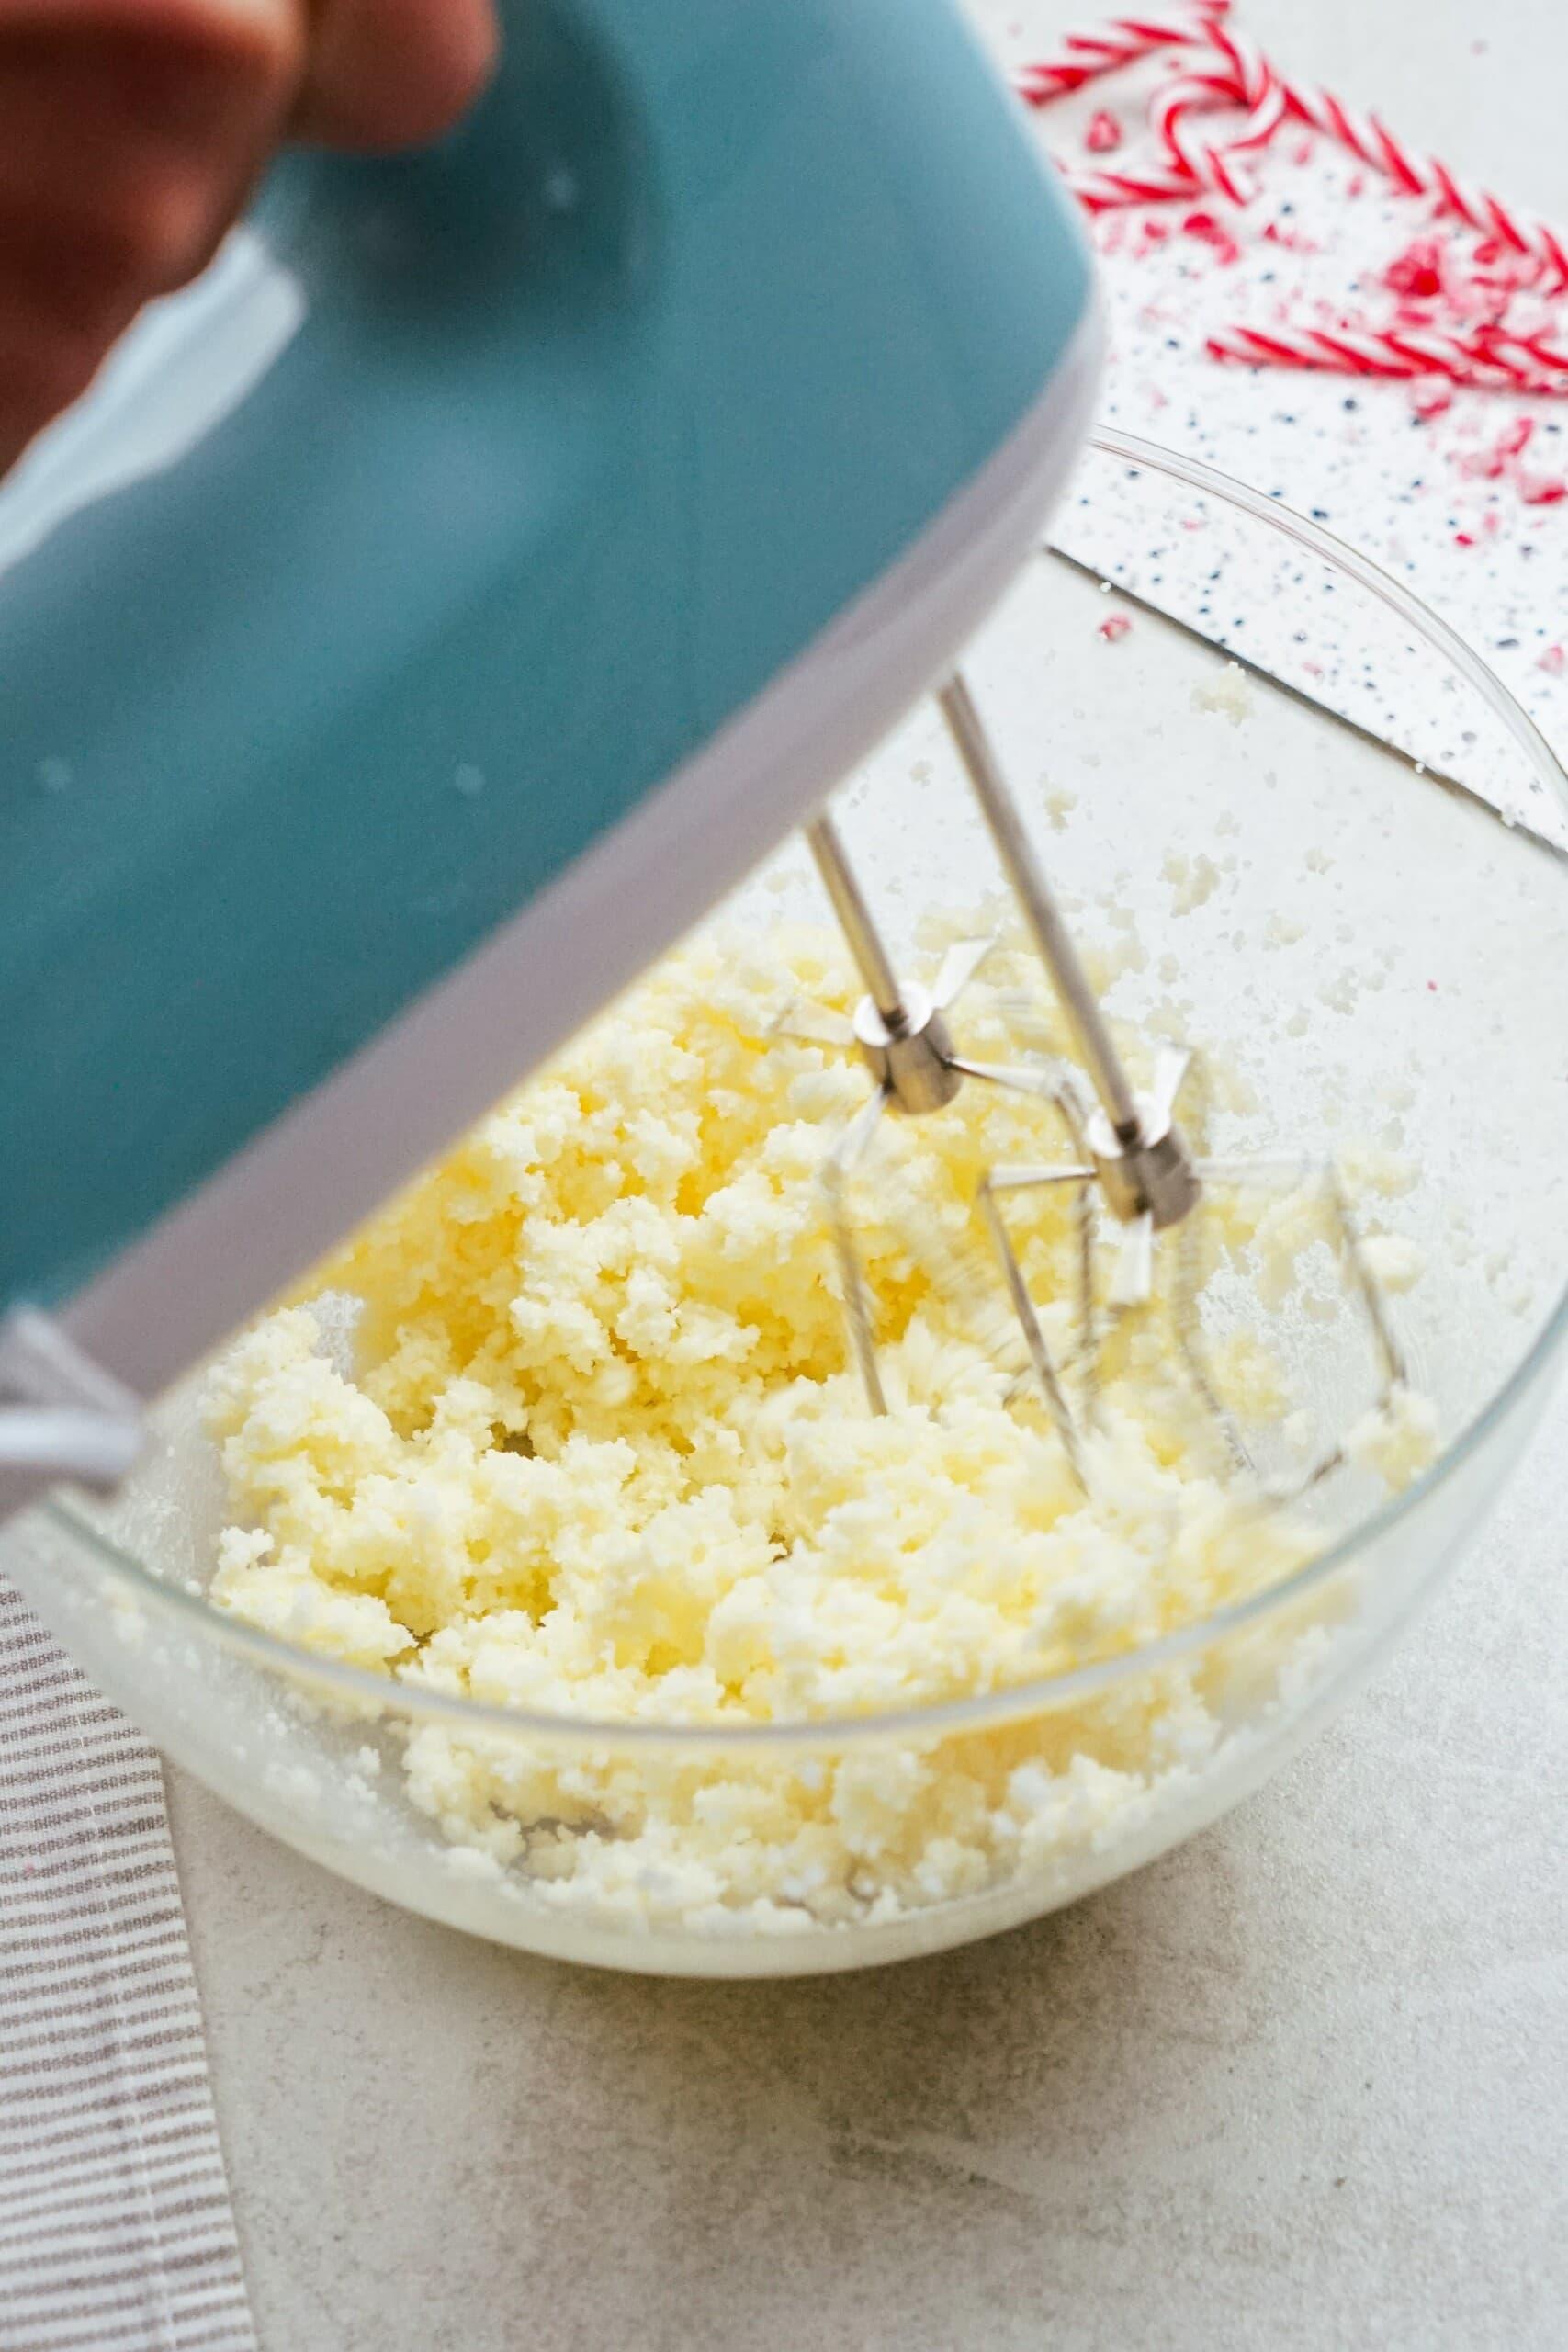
point(431, 614)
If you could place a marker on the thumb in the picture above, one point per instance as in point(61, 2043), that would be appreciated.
point(130, 131)
point(386, 73)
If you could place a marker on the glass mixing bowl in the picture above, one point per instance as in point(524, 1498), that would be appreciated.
point(1374, 955)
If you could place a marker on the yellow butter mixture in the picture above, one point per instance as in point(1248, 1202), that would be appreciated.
point(594, 1448)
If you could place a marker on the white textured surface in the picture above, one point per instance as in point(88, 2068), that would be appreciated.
point(1459, 494)
point(1298, 2085)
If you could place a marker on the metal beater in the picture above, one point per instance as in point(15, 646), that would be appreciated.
point(1129, 1157)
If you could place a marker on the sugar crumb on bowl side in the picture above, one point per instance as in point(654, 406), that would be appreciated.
point(1228, 694)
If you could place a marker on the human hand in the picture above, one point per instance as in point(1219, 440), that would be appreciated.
point(132, 131)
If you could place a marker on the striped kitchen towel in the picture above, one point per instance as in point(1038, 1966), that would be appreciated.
point(116, 2230)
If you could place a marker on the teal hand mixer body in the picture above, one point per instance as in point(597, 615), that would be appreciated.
point(436, 610)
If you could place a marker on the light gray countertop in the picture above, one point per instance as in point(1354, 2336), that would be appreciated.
point(1302, 2083)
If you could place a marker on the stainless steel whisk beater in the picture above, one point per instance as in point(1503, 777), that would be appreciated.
point(1129, 1156)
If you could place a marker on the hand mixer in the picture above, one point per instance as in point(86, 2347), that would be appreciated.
point(436, 610)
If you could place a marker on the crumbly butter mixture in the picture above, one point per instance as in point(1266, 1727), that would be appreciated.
point(600, 1454)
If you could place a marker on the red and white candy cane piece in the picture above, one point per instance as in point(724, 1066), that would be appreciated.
point(1528, 350)
point(1371, 140)
point(1479, 361)
point(1108, 191)
point(1234, 72)
point(1241, 76)
point(1084, 56)
point(1201, 164)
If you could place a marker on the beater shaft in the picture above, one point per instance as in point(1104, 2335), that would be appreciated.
point(856, 918)
point(1143, 1166)
point(900, 1029)
point(1079, 1005)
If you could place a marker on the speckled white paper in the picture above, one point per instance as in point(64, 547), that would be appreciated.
point(1461, 494)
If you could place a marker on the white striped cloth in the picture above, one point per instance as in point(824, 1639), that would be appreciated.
point(116, 2228)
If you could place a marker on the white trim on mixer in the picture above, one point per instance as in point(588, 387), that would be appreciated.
point(336, 1155)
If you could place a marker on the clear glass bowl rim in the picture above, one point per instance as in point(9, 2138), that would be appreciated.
point(357, 1686)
